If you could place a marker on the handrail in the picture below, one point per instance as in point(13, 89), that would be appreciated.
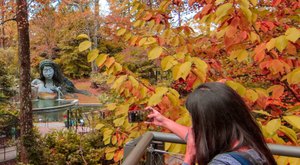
point(135, 155)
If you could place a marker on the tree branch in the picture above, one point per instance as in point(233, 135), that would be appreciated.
point(5, 21)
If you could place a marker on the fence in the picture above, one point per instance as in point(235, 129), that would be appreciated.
point(135, 149)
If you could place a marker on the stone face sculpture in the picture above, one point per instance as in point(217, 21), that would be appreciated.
point(51, 82)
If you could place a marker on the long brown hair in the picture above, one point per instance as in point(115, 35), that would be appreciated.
point(220, 117)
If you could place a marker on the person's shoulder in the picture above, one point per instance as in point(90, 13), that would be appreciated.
point(223, 159)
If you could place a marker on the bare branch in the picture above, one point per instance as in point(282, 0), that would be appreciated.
point(5, 21)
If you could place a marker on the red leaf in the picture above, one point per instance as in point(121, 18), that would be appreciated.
point(276, 2)
point(259, 57)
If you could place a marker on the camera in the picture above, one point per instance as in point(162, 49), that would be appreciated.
point(136, 116)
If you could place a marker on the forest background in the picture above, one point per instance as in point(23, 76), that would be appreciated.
point(153, 53)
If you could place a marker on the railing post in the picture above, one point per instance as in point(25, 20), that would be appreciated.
point(157, 158)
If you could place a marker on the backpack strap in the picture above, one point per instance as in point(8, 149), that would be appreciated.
point(240, 158)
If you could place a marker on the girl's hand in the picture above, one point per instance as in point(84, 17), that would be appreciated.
point(157, 118)
point(190, 154)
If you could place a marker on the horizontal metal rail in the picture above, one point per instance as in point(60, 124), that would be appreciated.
point(137, 152)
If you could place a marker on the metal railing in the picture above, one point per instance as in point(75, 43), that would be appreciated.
point(134, 150)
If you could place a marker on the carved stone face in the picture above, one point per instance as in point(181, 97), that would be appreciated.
point(48, 72)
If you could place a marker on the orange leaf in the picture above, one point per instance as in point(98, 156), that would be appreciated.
point(259, 57)
point(276, 2)
point(205, 10)
point(148, 16)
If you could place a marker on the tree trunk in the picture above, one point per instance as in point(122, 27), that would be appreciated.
point(95, 38)
point(25, 88)
point(2, 43)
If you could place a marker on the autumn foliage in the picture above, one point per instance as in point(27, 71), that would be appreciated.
point(252, 46)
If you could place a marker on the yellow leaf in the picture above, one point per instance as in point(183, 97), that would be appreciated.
point(222, 11)
point(109, 156)
point(273, 126)
point(289, 133)
point(174, 92)
point(262, 112)
point(109, 62)
point(282, 160)
point(142, 41)
point(111, 106)
point(119, 121)
point(240, 54)
point(99, 126)
point(155, 99)
point(168, 62)
point(121, 32)
point(134, 82)
point(271, 44)
point(150, 40)
point(219, 2)
point(244, 3)
point(117, 67)
point(254, 2)
point(92, 55)
point(119, 82)
point(254, 37)
point(82, 36)
point(181, 70)
point(127, 36)
point(137, 23)
point(101, 59)
point(200, 64)
point(247, 12)
point(281, 43)
point(278, 139)
point(293, 120)
point(110, 149)
point(240, 89)
point(122, 109)
point(135, 7)
point(155, 52)
point(293, 161)
point(292, 34)
point(161, 90)
point(84, 46)
point(251, 95)
point(294, 76)
point(175, 101)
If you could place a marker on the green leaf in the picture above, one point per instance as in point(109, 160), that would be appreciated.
point(82, 36)
point(273, 126)
point(155, 52)
point(101, 59)
point(155, 99)
point(93, 54)
point(293, 120)
point(292, 34)
point(168, 62)
point(281, 43)
point(289, 133)
point(222, 11)
point(84, 45)
point(121, 32)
